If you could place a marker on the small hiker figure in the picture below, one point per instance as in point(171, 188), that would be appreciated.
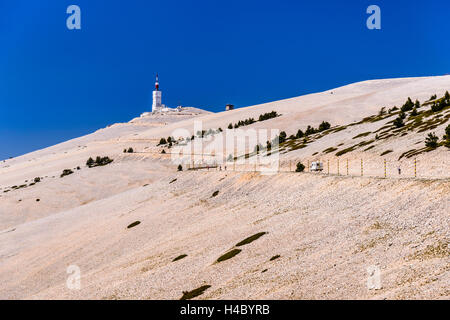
point(399, 170)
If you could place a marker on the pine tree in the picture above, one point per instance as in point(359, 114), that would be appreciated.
point(324, 126)
point(90, 162)
point(431, 140)
point(408, 105)
point(309, 130)
point(447, 137)
point(417, 104)
point(398, 122)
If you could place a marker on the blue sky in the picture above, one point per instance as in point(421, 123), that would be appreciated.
point(57, 84)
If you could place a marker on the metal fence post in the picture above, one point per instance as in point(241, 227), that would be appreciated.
point(362, 172)
point(415, 168)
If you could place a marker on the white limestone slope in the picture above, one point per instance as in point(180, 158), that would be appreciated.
point(326, 229)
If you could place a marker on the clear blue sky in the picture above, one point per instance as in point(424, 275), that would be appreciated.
point(57, 84)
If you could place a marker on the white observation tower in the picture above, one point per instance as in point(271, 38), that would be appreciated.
point(157, 106)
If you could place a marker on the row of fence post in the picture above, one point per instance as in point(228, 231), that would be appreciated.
point(192, 166)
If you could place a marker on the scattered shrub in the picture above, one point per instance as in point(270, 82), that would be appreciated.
point(179, 257)
point(180, 167)
point(66, 172)
point(300, 167)
point(328, 150)
point(130, 150)
point(134, 224)
point(229, 255)
point(242, 123)
point(99, 161)
point(215, 194)
point(344, 151)
point(275, 257)
point(392, 109)
point(364, 134)
point(299, 134)
point(187, 295)
point(162, 141)
point(250, 239)
point(267, 116)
